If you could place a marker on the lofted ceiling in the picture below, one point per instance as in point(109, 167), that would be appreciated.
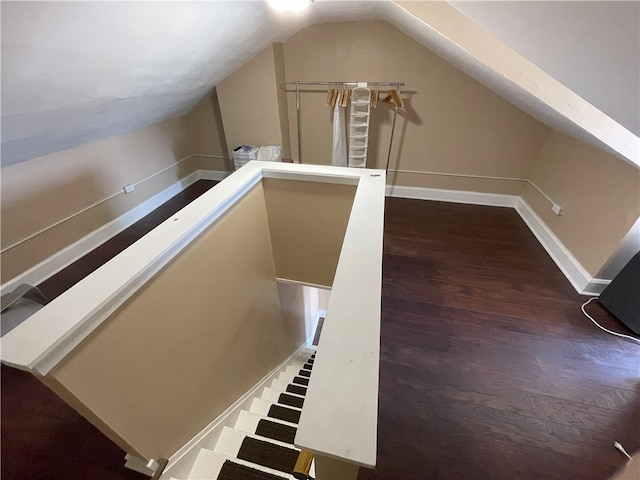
point(591, 47)
point(78, 72)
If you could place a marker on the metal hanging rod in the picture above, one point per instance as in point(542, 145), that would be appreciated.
point(297, 84)
point(350, 84)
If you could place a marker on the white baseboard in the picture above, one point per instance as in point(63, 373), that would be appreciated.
point(52, 265)
point(595, 286)
point(212, 174)
point(581, 280)
point(455, 196)
point(180, 463)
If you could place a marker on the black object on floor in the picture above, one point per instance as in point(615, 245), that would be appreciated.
point(622, 295)
point(235, 471)
point(284, 413)
point(290, 400)
point(277, 431)
point(268, 454)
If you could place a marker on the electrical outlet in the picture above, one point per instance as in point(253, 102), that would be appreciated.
point(128, 188)
point(558, 209)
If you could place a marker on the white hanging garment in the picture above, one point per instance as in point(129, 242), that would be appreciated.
point(339, 150)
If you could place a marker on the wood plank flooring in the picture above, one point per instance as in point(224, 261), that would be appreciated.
point(42, 437)
point(488, 368)
point(488, 371)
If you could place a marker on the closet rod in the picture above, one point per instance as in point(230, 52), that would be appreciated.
point(297, 84)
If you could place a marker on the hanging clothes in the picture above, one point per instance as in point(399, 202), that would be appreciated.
point(339, 150)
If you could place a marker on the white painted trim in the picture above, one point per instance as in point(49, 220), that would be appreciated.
point(137, 464)
point(39, 343)
point(455, 196)
point(180, 463)
point(581, 280)
point(212, 174)
point(65, 257)
point(304, 284)
point(347, 363)
point(73, 252)
point(595, 286)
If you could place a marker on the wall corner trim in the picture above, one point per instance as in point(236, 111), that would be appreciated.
point(580, 279)
point(60, 260)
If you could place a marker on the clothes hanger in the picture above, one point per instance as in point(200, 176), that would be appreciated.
point(394, 97)
point(396, 100)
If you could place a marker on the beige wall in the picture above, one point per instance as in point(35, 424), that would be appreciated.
point(206, 135)
point(450, 124)
point(183, 361)
point(308, 221)
point(283, 112)
point(600, 192)
point(40, 192)
point(249, 104)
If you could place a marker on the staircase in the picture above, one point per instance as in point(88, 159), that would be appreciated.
point(260, 445)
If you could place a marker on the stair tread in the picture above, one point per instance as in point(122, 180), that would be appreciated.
point(234, 471)
point(276, 431)
point(301, 381)
point(207, 464)
point(249, 420)
point(270, 394)
point(304, 373)
point(290, 400)
point(297, 389)
point(268, 454)
point(284, 413)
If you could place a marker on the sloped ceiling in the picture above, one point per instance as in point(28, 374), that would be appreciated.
point(78, 72)
point(591, 47)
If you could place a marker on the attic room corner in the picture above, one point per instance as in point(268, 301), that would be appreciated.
point(316, 239)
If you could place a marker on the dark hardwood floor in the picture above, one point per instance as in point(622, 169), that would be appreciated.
point(42, 437)
point(488, 368)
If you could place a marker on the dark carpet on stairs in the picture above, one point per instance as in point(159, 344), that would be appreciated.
point(284, 413)
point(304, 373)
point(277, 431)
point(301, 381)
point(297, 389)
point(268, 454)
point(291, 400)
point(235, 471)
